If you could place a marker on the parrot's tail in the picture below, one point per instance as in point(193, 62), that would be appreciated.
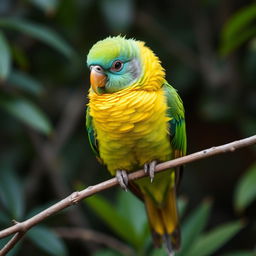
point(164, 222)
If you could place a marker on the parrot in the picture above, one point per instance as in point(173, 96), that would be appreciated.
point(135, 119)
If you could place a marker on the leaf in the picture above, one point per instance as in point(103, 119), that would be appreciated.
point(25, 82)
point(11, 193)
point(133, 209)
point(20, 57)
point(117, 222)
point(28, 113)
point(159, 252)
point(238, 29)
point(106, 253)
point(40, 32)
point(240, 253)
point(49, 6)
point(239, 21)
point(245, 191)
point(4, 219)
point(211, 241)
point(118, 14)
point(5, 59)
point(47, 240)
point(182, 204)
point(194, 225)
point(230, 45)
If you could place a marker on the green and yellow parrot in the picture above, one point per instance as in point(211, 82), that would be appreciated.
point(136, 119)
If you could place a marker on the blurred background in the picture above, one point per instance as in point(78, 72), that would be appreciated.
point(208, 49)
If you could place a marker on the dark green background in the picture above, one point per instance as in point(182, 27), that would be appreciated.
point(208, 49)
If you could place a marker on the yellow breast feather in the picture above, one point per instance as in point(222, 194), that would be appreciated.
point(131, 127)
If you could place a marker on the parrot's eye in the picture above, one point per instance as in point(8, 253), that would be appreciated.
point(117, 66)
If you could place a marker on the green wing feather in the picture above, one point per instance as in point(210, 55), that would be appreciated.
point(177, 126)
point(92, 134)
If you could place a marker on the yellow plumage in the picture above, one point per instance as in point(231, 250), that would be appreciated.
point(133, 125)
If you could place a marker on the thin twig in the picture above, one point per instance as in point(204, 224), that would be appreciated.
point(77, 196)
point(96, 237)
point(15, 239)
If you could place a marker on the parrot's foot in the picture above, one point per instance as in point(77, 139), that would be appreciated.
point(122, 179)
point(150, 169)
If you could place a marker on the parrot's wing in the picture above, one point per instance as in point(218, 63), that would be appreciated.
point(177, 126)
point(92, 134)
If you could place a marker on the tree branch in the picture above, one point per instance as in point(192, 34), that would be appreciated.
point(96, 237)
point(75, 197)
point(14, 240)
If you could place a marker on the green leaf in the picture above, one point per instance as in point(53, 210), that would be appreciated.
point(117, 222)
point(182, 205)
point(134, 211)
point(11, 192)
point(230, 45)
point(20, 56)
point(239, 21)
point(211, 241)
point(245, 191)
point(238, 29)
point(5, 59)
point(40, 32)
point(47, 240)
point(159, 252)
point(28, 113)
point(48, 6)
point(25, 82)
point(107, 253)
point(193, 226)
point(4, 219)
point(240, 253)
point(118, 10)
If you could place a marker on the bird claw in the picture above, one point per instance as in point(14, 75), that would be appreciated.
point(150, 169)
point(122, 178)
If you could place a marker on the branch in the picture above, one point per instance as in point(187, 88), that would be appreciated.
point(77, 196)
point(15, 239)
point(96, 237)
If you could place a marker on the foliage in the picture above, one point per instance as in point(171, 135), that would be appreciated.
point(127, 218)
point(246, 191)
point(238, 29)
point(20, 108)
point(12, 200)
point(131, 217)
point(48, 241)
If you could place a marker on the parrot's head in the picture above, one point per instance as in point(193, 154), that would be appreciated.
point(117, 63)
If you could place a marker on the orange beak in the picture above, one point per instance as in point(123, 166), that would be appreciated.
point(98, 78)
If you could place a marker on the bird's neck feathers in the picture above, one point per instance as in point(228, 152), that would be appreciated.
point(153, 75)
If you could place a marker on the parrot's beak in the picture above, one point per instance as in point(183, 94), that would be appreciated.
point(98, 78)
